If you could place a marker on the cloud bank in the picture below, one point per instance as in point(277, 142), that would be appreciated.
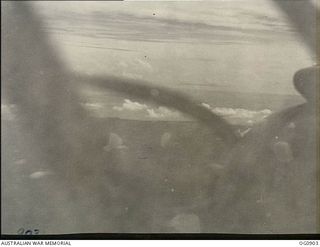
point(210, 22)
point(239, 115)
point(160, 112)
point(130, 106)
point(233, 115)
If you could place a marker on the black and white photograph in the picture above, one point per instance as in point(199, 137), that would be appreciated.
point(160, 117)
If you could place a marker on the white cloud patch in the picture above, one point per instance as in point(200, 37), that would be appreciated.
point(150, 112)
point(239, 115)
point(40, 174)
point(130, 106)
point(206, 106)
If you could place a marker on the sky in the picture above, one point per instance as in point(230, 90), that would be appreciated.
point(221, 45)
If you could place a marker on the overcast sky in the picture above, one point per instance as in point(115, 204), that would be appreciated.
point(220, 44)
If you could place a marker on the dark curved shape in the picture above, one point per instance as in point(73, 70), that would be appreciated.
point(306, 82)
point(305, 17)
point(56, 80)
point(164, 97)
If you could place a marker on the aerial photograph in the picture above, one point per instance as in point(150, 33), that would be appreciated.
point(160, 117)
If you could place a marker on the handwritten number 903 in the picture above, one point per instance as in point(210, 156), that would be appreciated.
point(23, 231)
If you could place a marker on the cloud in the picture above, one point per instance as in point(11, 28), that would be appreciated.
point(206, 106)
point(40, 174)
point(233, 115)
point(162, 112)
point(275, 22)
point(246, 116)
point(125, 24)
point(150, 112)
point(100, 47)
point(130, 106)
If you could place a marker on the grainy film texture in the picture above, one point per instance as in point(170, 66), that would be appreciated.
point(159, 117)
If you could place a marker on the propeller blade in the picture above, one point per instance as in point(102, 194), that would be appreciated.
point(305, 17)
